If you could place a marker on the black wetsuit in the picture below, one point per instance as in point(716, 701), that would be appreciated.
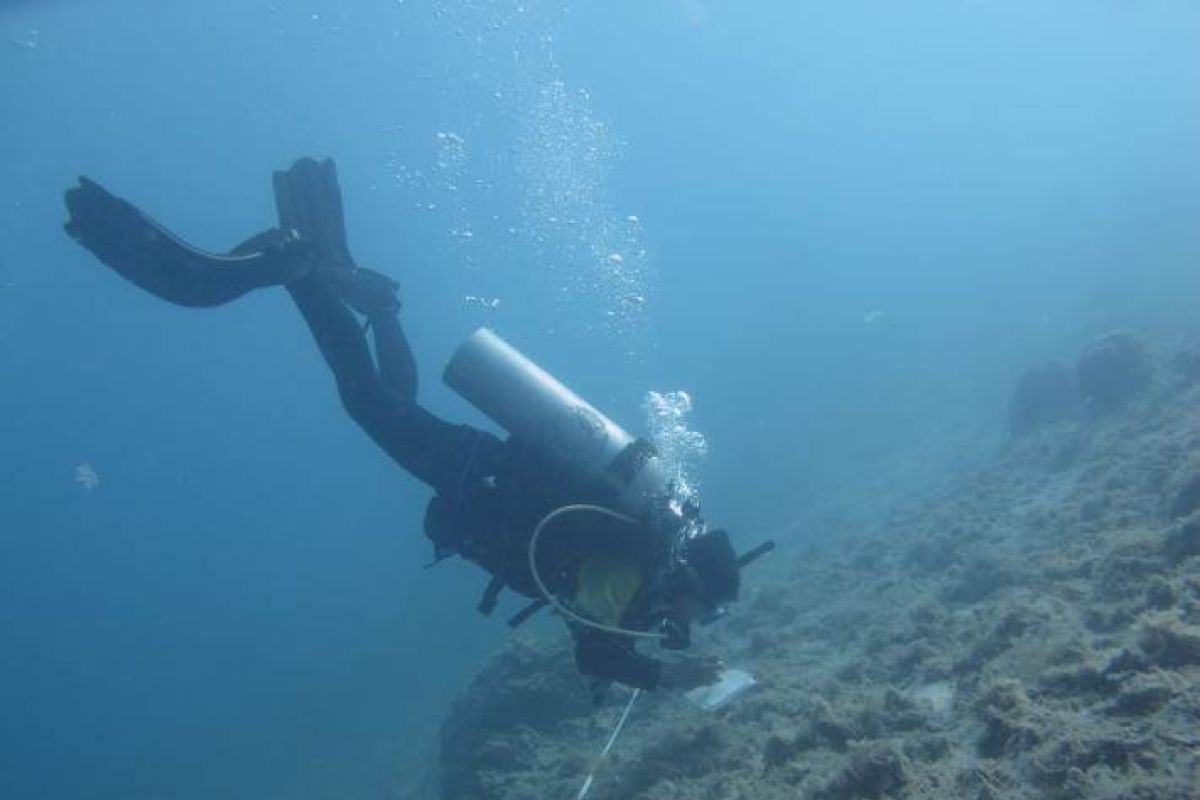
point(489, 493)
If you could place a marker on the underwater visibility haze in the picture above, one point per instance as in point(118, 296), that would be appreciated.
point(810, 248)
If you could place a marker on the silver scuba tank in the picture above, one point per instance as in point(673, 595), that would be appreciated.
point(529, 403)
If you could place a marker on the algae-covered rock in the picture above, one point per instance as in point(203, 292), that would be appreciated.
point(1071, 754)
point(1113, 370)
point(1143, 695)
point(1186, 364)
point(872, 771)
point(1009, 723)
point(1169, 643)
point(1187, 498)
point(1183, 540)
point(529, 688)
point(1045, 394)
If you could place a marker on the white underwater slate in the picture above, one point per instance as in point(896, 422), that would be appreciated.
point(731, 685)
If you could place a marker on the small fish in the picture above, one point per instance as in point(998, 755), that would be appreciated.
point(30, 42)
point(872, 317)
point(87, 477)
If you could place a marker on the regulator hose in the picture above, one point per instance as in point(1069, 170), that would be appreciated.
point(557, 604)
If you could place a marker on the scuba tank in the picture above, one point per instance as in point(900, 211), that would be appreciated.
point(531, 404)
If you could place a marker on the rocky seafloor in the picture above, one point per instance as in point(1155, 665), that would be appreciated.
point(1032, 631)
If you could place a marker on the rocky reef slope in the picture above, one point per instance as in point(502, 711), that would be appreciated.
point(1033, 632)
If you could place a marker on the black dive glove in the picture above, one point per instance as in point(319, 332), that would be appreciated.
point(688, 672)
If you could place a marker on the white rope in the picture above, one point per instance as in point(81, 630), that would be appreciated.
point(612, 739)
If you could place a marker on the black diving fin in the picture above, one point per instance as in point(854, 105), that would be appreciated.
point(158, 261)
point(309, 201)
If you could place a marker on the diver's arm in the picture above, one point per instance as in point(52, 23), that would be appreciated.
point(614, 658)
point(149, 255)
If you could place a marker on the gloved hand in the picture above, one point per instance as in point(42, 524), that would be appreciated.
point(688, 672)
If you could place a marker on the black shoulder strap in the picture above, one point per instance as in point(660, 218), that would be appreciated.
point(490, 595)
point(518, 619)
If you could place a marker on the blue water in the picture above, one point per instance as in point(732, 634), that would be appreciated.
point(855, 224)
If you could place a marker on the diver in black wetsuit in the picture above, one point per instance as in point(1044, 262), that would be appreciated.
point(510, 506)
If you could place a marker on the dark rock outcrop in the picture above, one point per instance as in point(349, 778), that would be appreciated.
point(1044, 395)
point(1187, 499)
point(1113, 370)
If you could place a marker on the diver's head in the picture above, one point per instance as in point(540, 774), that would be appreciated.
point(705, 578)
point(710, 558)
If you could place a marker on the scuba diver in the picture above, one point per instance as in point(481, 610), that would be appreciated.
point(569, 510)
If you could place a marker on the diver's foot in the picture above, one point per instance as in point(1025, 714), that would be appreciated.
point(296, 258)
point(290, 257)
point(368, 292)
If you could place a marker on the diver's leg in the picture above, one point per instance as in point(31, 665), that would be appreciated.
point(431, 449)
point(382, 401)
point(149, 255)
point(339, 338)
point(397, 366)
